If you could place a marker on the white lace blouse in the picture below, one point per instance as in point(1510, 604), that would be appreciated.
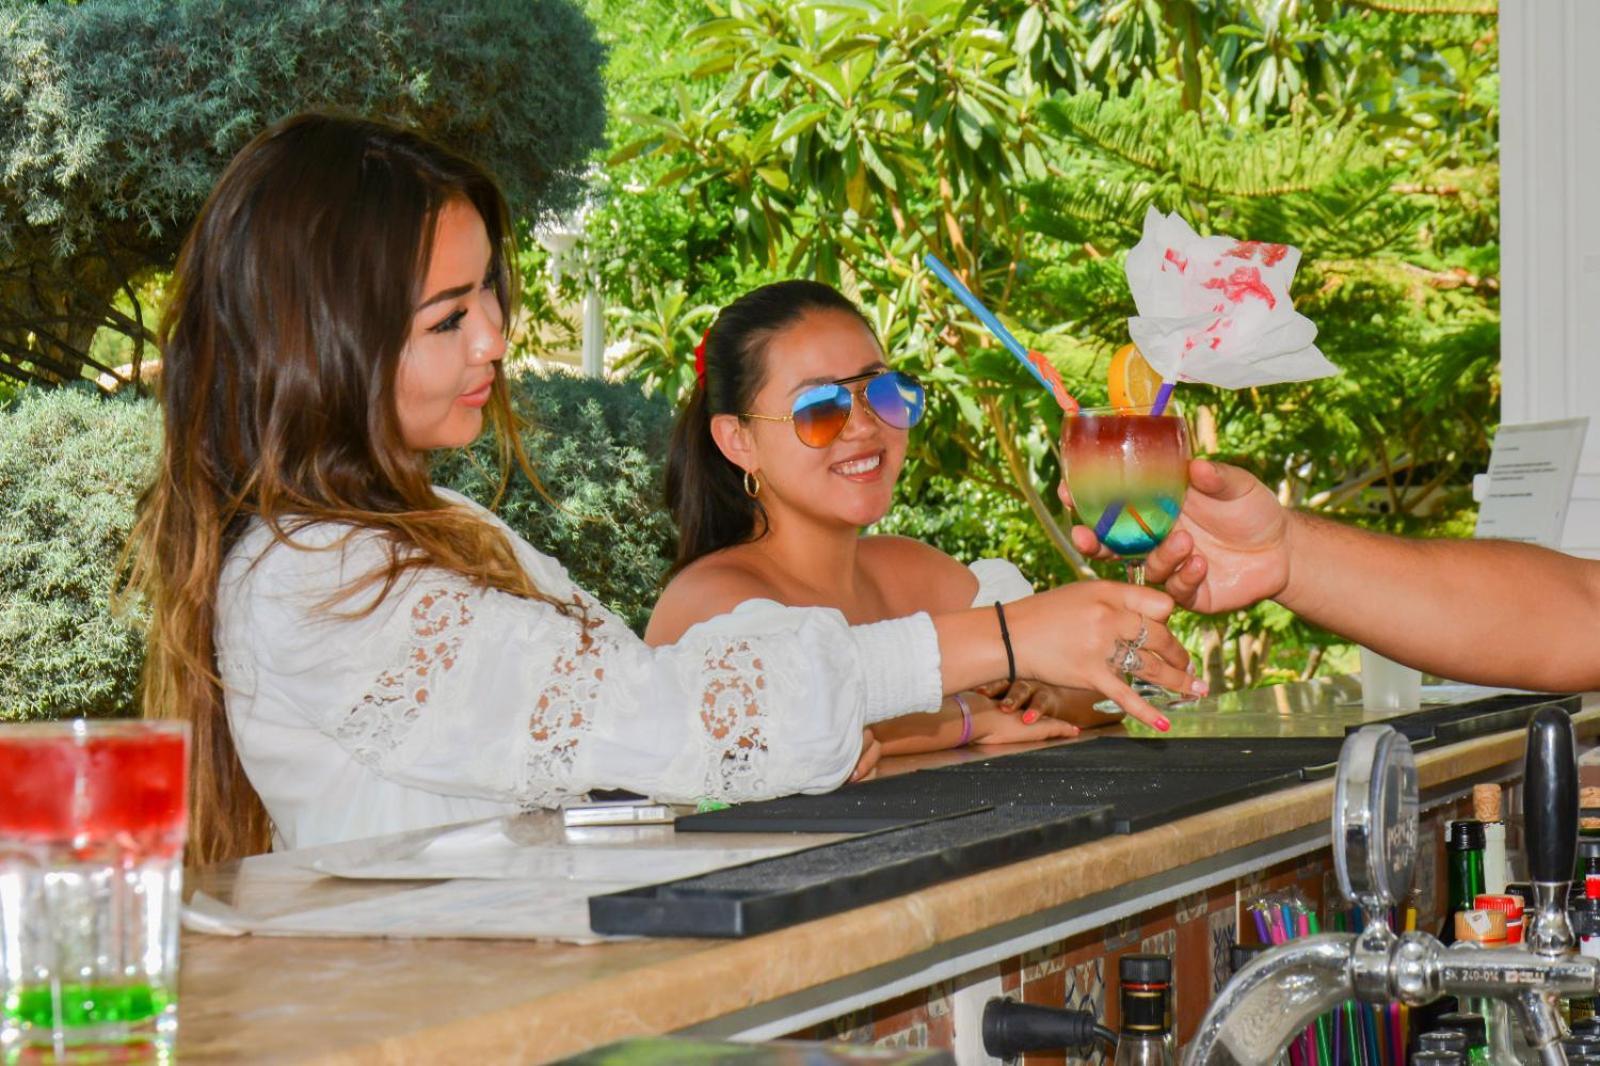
point(450, 702)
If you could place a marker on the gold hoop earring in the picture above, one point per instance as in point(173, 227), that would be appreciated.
point(752, 484)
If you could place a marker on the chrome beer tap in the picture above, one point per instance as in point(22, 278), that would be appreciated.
point(1281, 991)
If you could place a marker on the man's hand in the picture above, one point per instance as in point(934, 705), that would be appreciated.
point(1230, 548)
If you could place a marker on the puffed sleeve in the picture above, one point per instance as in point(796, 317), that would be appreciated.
point(998, 579)
point(466, 691)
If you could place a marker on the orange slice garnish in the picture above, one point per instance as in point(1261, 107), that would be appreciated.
point(1131, 382)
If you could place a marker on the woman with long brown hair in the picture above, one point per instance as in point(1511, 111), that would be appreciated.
point(360, 652)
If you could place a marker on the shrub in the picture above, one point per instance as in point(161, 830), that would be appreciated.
point(71, 467)
point(72, 464)
point(600, 449)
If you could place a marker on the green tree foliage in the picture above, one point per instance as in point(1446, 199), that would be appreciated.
point(116, 118)
point(643, 240)
point(849, 141)
point(1022, 143)
point(72, 464)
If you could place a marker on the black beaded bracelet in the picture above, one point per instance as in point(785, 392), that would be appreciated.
point(1005, 635)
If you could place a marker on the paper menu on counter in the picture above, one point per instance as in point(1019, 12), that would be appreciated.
point(1529, 483)
point(466, 909)
point(523, 877)
point(610, 855)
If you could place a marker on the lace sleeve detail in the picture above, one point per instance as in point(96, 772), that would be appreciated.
point(565, 710)
point(732, 689)
point(474, 692)
point(379, 722)
point(726, 679)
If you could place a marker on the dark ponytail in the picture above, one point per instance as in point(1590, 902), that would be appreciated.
point(705, 492)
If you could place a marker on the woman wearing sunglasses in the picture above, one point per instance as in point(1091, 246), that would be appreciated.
point(791, 443)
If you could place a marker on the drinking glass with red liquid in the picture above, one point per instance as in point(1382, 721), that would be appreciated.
point(92, 825)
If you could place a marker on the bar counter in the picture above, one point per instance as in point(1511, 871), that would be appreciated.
point(262, 999)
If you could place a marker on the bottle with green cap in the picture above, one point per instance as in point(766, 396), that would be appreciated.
point(1145, 1038)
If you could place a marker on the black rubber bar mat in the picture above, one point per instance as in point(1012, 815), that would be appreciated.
point(1463, 721)
point(869, 807)
point(887, 803)
point(759, 897)
point(1311, 757)
point(1138, 799)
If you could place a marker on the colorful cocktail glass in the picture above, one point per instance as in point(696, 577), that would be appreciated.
point(1128, 470)
point(1136, 464)
point(92, 825)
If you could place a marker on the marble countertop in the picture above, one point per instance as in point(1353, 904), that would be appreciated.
point(260, 999)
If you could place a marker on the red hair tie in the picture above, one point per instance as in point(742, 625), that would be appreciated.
point(700, 358)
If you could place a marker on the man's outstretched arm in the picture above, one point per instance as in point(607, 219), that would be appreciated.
point(1489, 612)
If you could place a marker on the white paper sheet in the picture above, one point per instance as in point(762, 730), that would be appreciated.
point(610, 854)
point(518, 878)
point(1531, 471)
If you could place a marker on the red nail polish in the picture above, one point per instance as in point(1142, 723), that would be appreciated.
point(1163, 725)
point(1030, 717)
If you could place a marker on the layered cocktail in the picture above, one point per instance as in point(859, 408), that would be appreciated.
point(1128, 470)
point(92, 824)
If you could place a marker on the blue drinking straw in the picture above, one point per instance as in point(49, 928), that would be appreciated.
point(1016, 348)
point(983, 314)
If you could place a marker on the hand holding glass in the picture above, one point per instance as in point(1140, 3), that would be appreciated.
point(1128, 469)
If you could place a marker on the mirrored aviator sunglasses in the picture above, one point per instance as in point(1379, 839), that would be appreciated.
point(820, 414)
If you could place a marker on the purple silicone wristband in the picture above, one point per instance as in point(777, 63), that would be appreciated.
point(966, 720)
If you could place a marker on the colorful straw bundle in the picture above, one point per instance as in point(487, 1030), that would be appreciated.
point(1354, 1034)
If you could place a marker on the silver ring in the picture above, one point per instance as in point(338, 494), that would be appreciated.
point(1141, 637)
point(1126, 658)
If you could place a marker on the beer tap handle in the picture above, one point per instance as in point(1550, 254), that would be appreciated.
point(1550, 806)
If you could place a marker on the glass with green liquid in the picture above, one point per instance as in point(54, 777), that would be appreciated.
point(92, 824)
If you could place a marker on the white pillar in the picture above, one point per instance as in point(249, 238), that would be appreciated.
point(594, 333)
point(1549, 230)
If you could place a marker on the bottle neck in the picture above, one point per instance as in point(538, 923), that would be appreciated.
point(1466, 878)
point(1146, 1010)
